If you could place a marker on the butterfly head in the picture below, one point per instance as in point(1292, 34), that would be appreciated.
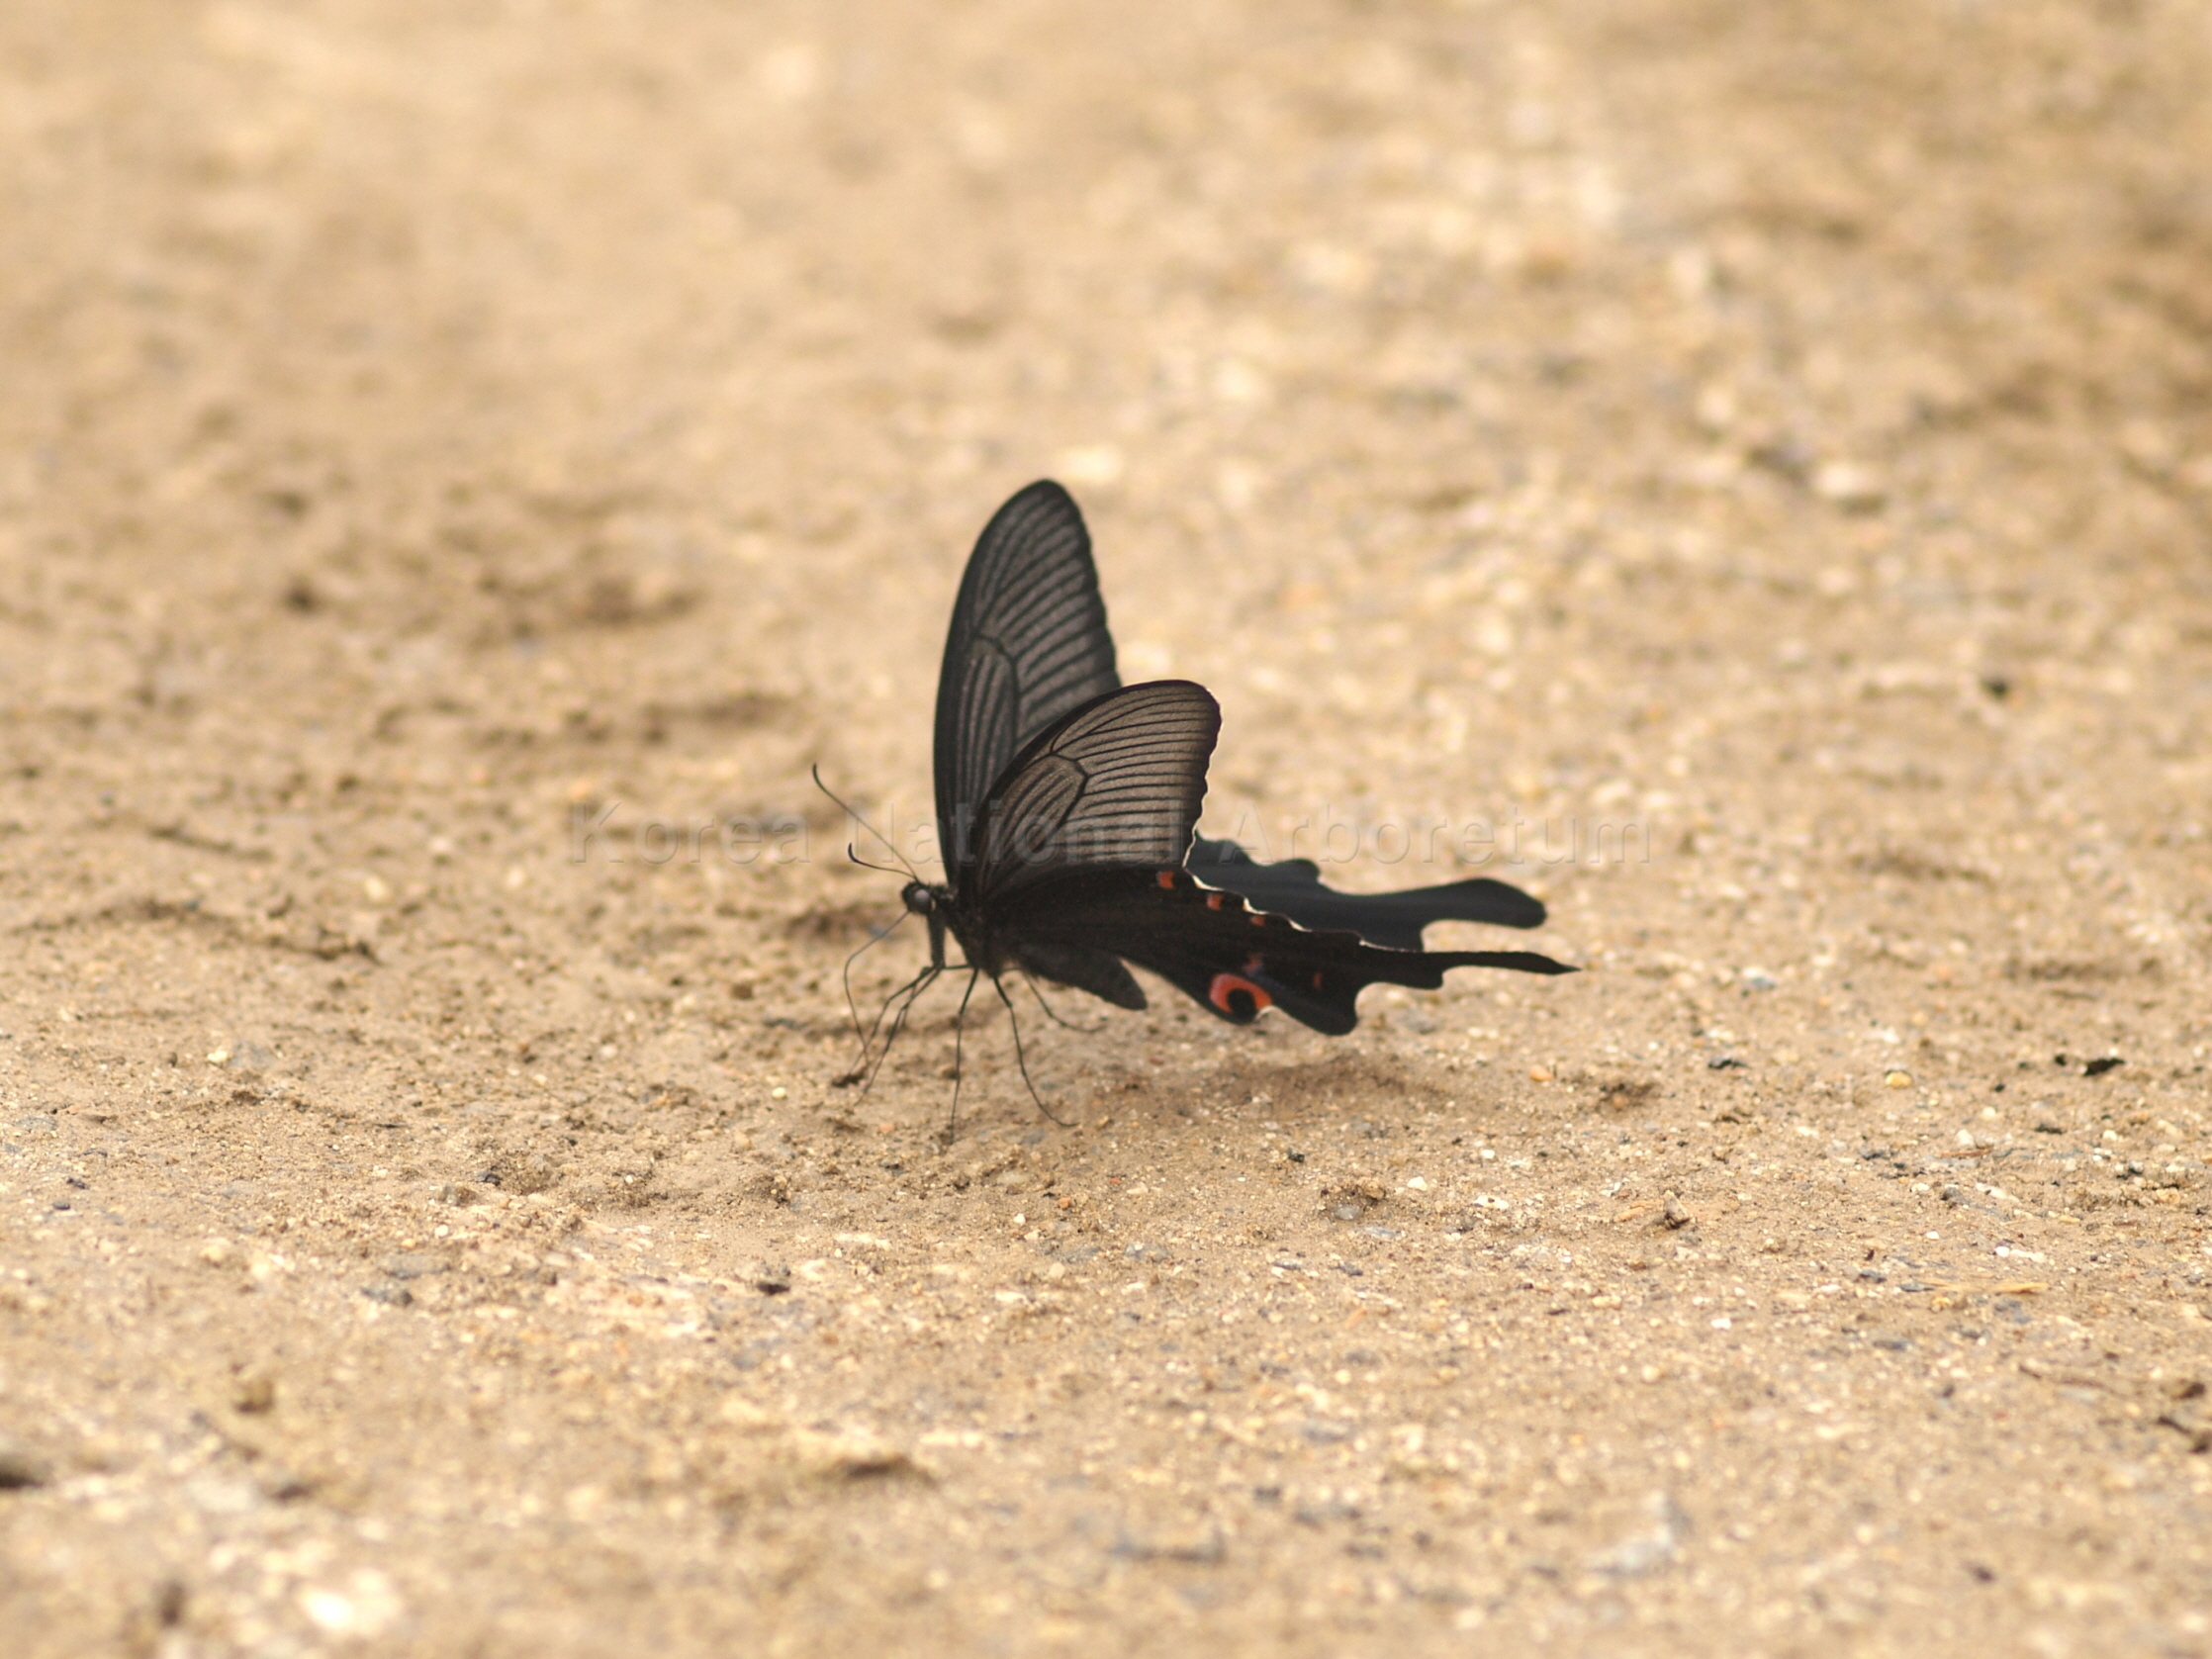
point(934, 904)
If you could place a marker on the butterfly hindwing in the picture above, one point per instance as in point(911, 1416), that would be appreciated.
point(1233, 960)
point(1028, 644)
point(1294, 888)
point(1117, 783)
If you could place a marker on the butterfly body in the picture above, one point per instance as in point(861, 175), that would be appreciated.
point(994, 952)
point(1067, 814)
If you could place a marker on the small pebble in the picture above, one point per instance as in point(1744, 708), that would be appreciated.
point(1850, 486)
point(22, 1470)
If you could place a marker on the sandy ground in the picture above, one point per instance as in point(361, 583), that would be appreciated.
point(1780, 433)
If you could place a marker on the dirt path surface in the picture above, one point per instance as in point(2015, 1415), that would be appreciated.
point(1774, 438)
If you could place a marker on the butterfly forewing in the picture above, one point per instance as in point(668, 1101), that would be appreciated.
point(1028, 644)
point(1118, 782)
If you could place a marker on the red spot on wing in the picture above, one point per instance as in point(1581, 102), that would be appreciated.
point(1167, 880)
point(1214, 900)
point(1227, 987)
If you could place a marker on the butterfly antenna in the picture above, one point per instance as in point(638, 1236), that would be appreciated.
point(960, 1035)
point(1021, 1060)
point(853, 812)
point(1050, 1014)
point(881, 869)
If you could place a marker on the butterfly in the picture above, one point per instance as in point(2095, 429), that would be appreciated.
point(1067, 814)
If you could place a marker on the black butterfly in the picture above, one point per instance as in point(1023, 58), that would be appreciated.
point(1066, 812)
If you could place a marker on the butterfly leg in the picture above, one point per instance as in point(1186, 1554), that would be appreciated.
point(852, 1008)
point(1054, 1016)
point(1021, 1060)
point(959, 1037)
point(864, 1068)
